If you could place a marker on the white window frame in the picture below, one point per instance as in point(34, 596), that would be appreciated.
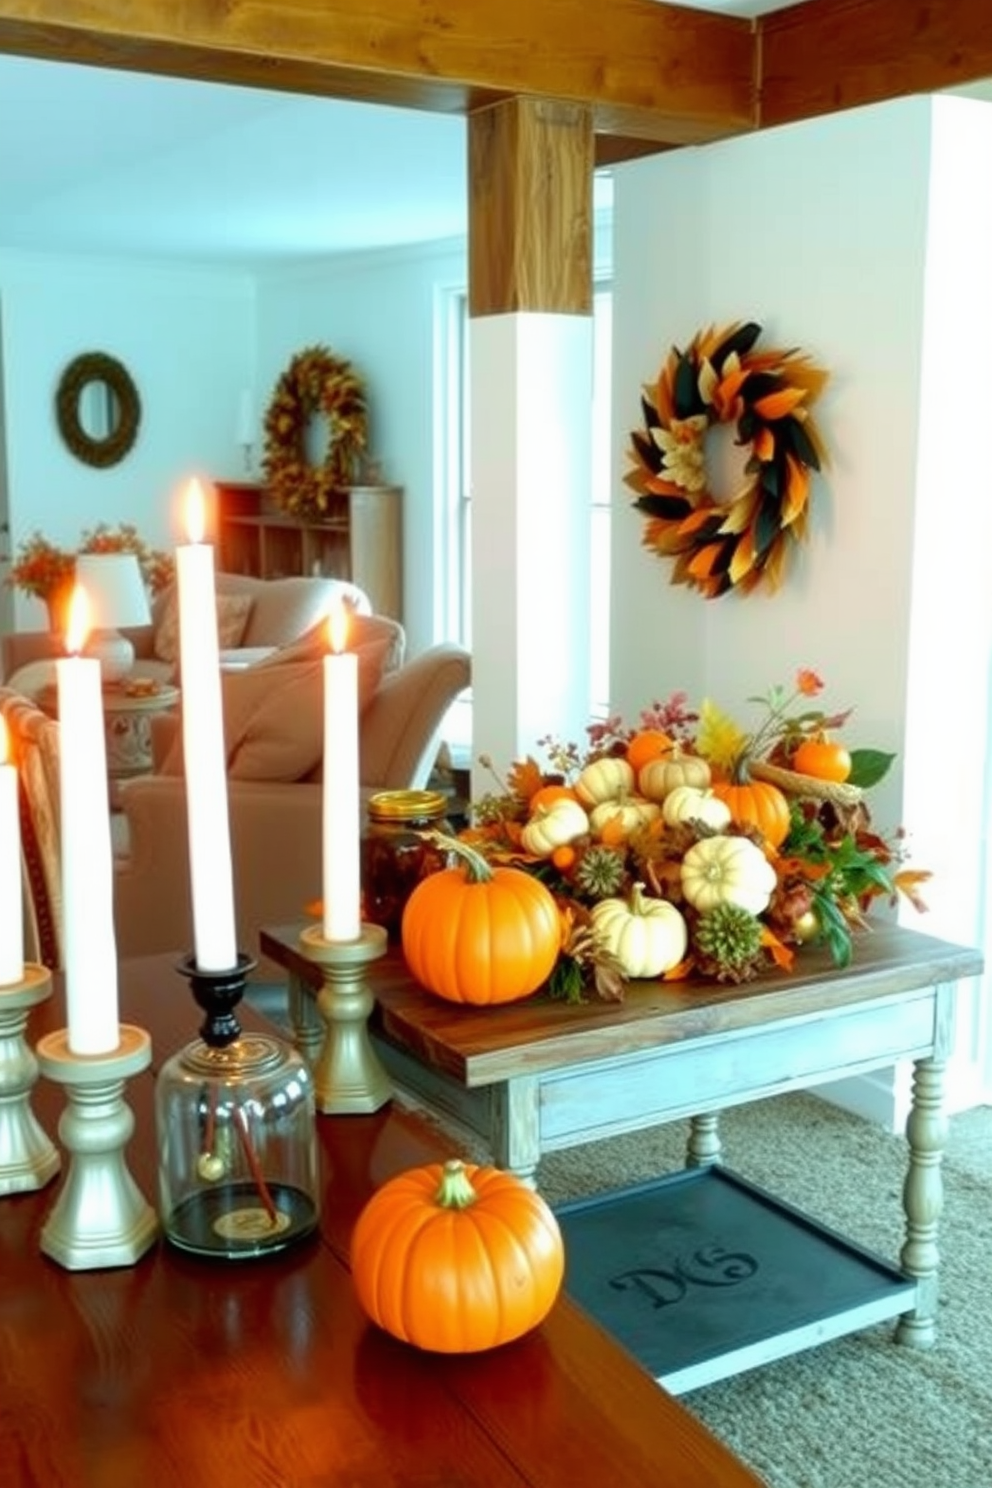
point(454, 501)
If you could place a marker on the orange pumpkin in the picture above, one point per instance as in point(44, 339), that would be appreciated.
point(456, 1258)
point(823, 759)
point(645, 745)
point(479, 934)
point(756, 803)
point(547, 795)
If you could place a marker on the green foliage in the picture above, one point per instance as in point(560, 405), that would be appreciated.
point(868, 767)
point(834, 929)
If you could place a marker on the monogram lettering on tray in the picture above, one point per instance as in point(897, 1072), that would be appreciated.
point(709, 1266)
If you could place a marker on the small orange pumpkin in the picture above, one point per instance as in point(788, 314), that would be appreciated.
point(456, 1258)
point(823, 759)
point(547, 795)
point(756, 803)
point(645, 745)
point(478, 934)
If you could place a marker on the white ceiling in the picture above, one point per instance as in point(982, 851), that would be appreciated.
point(107, 162)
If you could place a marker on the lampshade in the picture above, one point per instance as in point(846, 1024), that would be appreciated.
point(117, 596)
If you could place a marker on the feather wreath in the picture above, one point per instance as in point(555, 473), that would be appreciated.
point(721, 378)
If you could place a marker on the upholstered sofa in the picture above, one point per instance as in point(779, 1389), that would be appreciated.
point(255, 616)
point(275, 823)
point(274, 787)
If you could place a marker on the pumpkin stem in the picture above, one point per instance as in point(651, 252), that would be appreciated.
point(455, 1191)
point(637, 899)
point(741, 771)
point(477, 869)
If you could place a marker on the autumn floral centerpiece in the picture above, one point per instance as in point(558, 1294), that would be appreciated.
point(45, 570)
point(688, 844)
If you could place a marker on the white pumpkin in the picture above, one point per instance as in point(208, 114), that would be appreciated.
point(727, 870)
point(647, 936)
point(604, 780)
point(688, 803)
point(659, 776)
point(552, 826)
point(632, 812)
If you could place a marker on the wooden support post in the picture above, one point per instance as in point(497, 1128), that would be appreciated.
point(531, 348)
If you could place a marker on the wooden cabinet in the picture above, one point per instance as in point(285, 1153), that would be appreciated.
point(361, 540)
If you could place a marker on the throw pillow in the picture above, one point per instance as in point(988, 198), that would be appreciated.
point(363, 630)
point(274, 716)
point(284, 608)
point(233, 611)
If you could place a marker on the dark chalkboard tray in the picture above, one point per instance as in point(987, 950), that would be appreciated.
point(701, 1274)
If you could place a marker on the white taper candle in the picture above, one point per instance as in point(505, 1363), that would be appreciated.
point(341, 824)
point(11, 892)
point(208, 827)
point(87, 854)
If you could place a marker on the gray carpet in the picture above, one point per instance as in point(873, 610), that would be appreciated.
point(859, 1412)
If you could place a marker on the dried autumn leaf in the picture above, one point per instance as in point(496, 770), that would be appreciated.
point(781, 954)
point(907, 881)
point(610, 982)
point(524, 778)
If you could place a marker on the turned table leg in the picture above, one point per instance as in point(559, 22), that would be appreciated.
point(515, 1128)
point(923, 1199)
point(703, 1147)
point(304, 1016)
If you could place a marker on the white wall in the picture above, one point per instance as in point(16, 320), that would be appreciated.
point(186, 336)
point(378, 312)
point(837, 237)
point(818, 232)
point(195, 338)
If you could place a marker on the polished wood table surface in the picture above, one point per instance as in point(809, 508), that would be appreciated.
point(265, 1374)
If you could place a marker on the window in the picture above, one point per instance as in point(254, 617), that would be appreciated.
point(599, 552)
point(453, 611)
point(455, 504)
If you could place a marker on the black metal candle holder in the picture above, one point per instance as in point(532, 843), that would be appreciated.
point(235, 1112)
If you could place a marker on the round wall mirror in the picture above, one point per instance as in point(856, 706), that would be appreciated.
point(98, 409)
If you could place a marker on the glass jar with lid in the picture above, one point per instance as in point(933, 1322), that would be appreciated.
point(397, 853)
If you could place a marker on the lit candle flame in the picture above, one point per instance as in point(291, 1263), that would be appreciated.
point(337, 627)
point(196, 511)
point(78, 627)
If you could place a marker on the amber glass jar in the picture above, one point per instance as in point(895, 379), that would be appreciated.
point(396, 854)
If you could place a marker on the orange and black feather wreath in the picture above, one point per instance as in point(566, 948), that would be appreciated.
point(720, 378)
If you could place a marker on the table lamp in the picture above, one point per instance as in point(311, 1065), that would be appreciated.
point(117, 596)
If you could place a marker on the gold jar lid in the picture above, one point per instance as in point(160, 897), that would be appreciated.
point(406, 805)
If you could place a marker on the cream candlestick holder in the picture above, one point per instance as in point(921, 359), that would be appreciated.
point(28, 1157)
point(100, 1218)
point(348, 1076)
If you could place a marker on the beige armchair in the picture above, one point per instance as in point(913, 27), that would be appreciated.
point(34, 744)
point(254, 617)
point(275, 825)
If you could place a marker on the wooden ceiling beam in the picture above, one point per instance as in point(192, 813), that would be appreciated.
point(651, 72)
point(829, 55)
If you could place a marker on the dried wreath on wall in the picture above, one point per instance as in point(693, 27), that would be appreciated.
point(315, 382)
point(125, 405)
point(721, 378)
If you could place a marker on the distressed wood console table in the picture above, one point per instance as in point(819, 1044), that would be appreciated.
point(264, 1373)
point(539, 1075)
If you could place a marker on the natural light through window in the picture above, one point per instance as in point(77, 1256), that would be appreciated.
point(454, 609)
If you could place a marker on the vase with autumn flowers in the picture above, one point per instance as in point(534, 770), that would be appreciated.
point(46, 571)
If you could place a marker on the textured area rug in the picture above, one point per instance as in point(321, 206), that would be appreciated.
point(862, 1411)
